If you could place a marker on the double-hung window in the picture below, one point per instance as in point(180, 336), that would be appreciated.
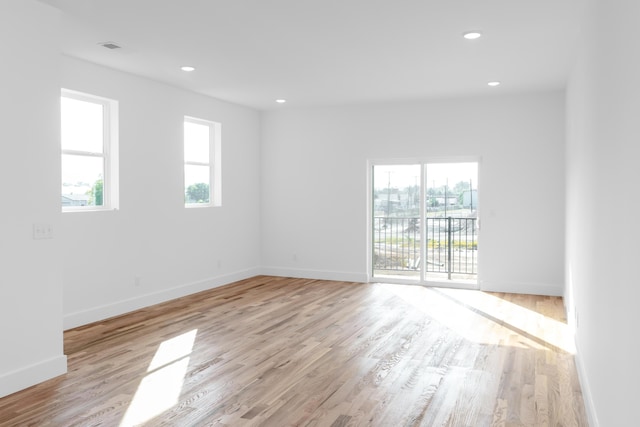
point(89, 152)
point(202, 174)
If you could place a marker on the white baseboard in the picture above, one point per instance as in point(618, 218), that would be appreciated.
point(522, 288)
point(28, 376)
point(95, 314)
point(587, 396)
point(315, 274)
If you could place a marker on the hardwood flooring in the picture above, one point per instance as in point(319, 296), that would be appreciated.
point(274, 351)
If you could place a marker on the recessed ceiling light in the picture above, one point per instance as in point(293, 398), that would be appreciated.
point(472, 35)
point(494, 84)
point(281, 101)
point(187, 68)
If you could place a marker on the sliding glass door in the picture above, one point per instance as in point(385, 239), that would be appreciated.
point(424, 223)
point(397, 238)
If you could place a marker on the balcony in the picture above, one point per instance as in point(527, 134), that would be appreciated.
point(451, 249)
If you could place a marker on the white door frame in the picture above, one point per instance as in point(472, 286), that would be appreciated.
point(422, 161)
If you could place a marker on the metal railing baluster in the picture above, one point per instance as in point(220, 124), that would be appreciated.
point(450, 245)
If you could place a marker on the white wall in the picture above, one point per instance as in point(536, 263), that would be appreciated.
point(314, 190)
point(603, 101)
point(30, 284)
point(174, 251)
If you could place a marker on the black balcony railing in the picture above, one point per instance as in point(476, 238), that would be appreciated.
point(451, 245)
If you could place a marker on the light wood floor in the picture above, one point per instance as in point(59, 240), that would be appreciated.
point(293, 352)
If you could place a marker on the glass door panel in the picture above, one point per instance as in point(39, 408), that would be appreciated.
point(396, 235)
point(451, 205)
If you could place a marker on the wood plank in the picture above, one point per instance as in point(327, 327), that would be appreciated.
point(274, 351)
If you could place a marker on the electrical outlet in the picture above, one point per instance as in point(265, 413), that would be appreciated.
point(137, 281)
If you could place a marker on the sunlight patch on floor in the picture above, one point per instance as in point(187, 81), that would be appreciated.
point(160, 389)
point(471, 314)
point(529, 323)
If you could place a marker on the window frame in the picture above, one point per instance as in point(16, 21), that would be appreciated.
point(109, 155)
point(214, 164)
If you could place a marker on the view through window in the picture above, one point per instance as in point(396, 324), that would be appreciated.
point(86, 147)
point(201, 163)
point(424, 222)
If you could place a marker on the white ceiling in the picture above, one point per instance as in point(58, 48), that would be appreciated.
point(329, 52)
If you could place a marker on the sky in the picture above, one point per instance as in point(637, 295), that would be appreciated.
point(437, 174)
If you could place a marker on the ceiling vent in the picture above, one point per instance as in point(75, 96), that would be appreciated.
point(110, 45)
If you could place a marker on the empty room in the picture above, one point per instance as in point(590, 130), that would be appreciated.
point(319, 213)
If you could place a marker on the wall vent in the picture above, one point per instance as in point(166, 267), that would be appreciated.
point(110, 45)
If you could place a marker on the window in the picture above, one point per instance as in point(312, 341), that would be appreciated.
point(89, 152)
point(202, 172)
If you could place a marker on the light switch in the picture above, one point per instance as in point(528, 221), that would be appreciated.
point(42, 231)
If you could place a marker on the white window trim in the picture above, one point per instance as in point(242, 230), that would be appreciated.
point(215, 163)
point(110, 154)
